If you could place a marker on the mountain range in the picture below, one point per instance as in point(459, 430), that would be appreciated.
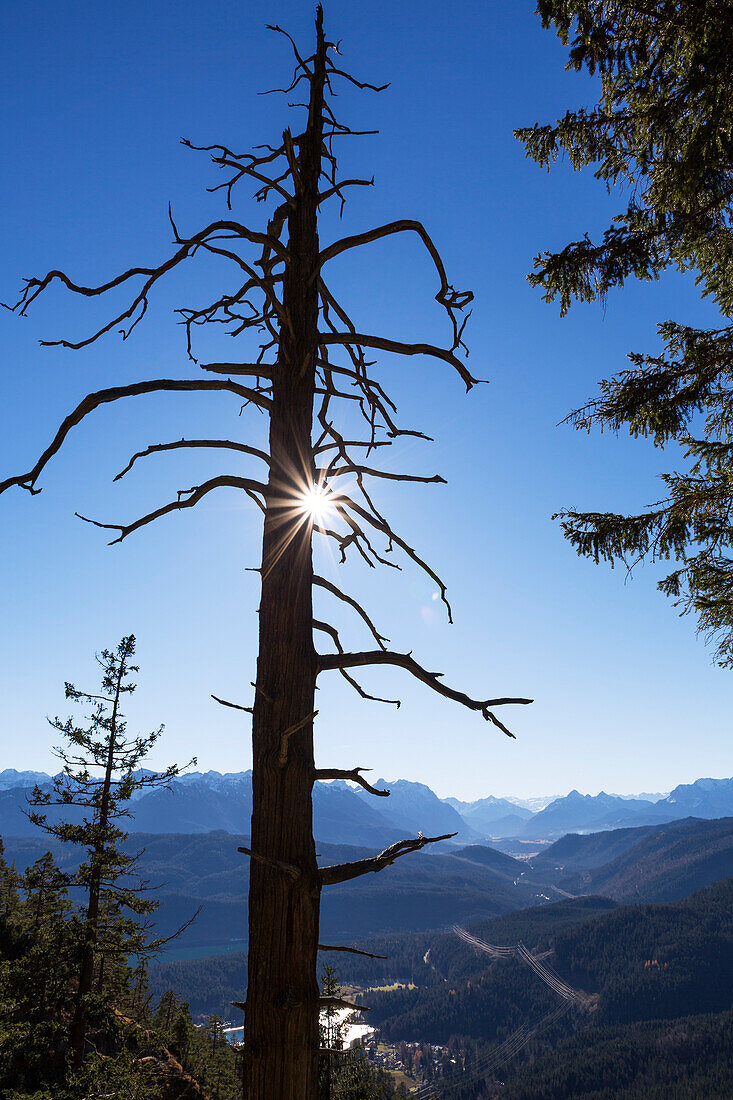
point(706, 798)
point(201, 802)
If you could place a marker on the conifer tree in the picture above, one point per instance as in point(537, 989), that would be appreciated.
point(38, 940)
point(331, 1028)
point(311, 369)
point(100, 774)
point(9, 882)
point(345, 1074)
point(46, 890)
point(661, 130)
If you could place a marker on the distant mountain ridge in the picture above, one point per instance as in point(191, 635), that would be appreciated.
point(409, 803)
point(11, 778)
point(203, 802)
point(578, 812)
point(200, 802)
point(495, 816)
point(705, 798)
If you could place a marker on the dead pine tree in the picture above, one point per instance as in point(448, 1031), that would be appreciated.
point(310, 366)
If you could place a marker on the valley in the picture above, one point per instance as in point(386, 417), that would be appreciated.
point(500, 951)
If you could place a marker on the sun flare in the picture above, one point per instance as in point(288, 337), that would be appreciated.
point(318, 503)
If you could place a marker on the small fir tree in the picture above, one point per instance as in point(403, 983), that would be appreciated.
point(345, 1074)
point(331, 1028)
point(100, 774)
point(9, 882)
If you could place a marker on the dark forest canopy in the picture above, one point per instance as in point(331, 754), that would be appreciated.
point(641, 965)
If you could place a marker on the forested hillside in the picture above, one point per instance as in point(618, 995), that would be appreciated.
point(658, 981)
point(684, 1059)
point(667, 863)
point(424, 892)
point(422, 959)
point(637, 962)
point(428, 891)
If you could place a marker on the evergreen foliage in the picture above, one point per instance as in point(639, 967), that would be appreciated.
point(74, 944)
point(41, 944)
point(661, 130)
point(684, 1059)
point(345, 1074)
point(112, 918)
point(640, 961)
point(38, 952)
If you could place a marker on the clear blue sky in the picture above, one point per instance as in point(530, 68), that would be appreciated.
point(95, 99)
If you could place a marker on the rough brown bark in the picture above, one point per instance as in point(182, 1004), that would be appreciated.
point(281, 1016)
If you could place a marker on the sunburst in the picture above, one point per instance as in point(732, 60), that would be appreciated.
point(317, 502)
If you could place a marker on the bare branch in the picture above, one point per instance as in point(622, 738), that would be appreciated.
point(271, 156)
point(277, 864)
point(359, 534)
point(101, 397)
point(404, 225)
point(333, 633)
point(35, 286)
point(226, 444)
point(354, 775)
point(243, 165)
point(400, 348)
point(234, 706)
point(365, 694)
point(355, 538)
point(155, 945)
point(353, 467)
point(343, 872)
point(352, 950)
point(380, 524)
point(195, 494)
point(336, 189)
point(369, 444)
point(323, 583)
point(343, 661)
point(451, 299)
point(301, 63)
point(333, 71)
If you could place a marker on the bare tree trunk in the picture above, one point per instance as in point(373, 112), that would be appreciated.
point(281, 1018)
point(281, 1012)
